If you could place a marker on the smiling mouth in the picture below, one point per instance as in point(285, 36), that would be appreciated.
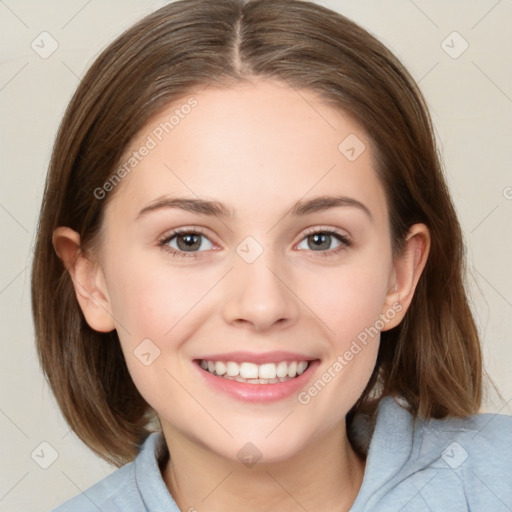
point(251, 373)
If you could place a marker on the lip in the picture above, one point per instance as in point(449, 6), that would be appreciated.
point(252, 357)
point(258, 393)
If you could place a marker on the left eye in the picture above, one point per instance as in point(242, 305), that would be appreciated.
point(321, 241)
point(189, 242)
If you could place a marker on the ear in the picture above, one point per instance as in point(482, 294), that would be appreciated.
point(88, 279)
point(407, 269)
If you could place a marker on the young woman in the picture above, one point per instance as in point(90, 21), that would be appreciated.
point(248, 279)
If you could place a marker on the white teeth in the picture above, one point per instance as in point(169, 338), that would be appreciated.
point(249, 371)
point(282, 369)
point(255, 381)
point(292, 369)
point(267, 373)
point(220, 368)
point(232, 368)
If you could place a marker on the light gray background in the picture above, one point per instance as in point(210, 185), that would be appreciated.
point(471, 103)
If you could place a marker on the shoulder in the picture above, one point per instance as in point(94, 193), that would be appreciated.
point(449, 464)
point(475, 453)
point(136, 486)
point(477, 434)
point(114, 492)
point(480, 434)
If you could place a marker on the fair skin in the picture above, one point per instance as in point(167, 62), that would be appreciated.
point(258, 148)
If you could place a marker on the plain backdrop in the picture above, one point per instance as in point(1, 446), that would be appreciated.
point(459, 51)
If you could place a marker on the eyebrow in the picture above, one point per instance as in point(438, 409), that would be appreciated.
point(324, 203)
point(217, 209)
point(212, 208)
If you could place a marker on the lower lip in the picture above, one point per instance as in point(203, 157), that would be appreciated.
point(259, 392)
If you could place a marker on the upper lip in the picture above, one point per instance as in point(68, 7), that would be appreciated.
point(256, 358)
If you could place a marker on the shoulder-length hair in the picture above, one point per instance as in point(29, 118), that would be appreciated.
point(432, 359)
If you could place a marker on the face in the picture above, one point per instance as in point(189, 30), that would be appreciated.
point(251, 241)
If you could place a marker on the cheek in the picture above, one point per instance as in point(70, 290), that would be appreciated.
point(157, 310)
point(152, 310)
point(347, 300)
point(349, 303)
point(150, 300)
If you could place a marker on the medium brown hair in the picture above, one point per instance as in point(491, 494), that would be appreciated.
point(432, 358)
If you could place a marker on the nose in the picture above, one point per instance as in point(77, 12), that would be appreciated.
point(258, 296)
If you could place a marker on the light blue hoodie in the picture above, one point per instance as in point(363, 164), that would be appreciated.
point(450, 465)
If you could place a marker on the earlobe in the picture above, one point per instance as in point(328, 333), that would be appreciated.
point(87, 277)
point(407, 269)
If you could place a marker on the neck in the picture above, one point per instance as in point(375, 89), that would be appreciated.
point(326, 475)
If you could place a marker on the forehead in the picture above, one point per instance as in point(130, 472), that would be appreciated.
point(254, 146)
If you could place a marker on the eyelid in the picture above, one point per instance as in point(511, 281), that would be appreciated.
point(164, 240)
point(183, 230)
point(343, 235)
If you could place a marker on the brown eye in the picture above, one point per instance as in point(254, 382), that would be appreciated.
point(189, 242)
point(323, 241)
point(319, 242)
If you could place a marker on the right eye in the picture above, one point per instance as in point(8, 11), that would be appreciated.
point(181, 242)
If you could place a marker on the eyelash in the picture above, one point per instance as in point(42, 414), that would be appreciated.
point(343, 239)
